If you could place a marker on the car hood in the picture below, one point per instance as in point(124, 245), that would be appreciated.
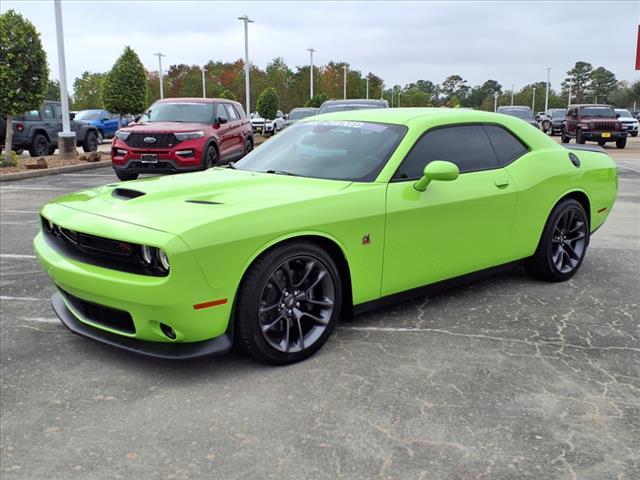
point(165, 127)
point(178, 203)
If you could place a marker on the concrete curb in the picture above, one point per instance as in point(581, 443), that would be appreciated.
point(8, 177)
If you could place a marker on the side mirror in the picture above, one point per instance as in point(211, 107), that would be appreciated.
point(221, 121)
point(437, 170)
point(72, 116)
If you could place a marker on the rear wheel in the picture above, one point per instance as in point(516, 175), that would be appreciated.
point(125, 176)
point(39, 146)
point(100, 137)
point(621, 142)
point(288, 303)
point(563, 244)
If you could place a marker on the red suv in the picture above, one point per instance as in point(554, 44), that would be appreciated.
point(182, 135)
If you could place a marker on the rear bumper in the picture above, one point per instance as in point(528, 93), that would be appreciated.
point(173, 351)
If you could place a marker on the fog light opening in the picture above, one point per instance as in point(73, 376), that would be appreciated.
point(168, 331)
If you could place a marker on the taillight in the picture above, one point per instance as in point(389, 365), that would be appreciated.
point(19, 127)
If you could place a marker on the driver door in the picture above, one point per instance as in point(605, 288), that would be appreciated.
point(453, 227)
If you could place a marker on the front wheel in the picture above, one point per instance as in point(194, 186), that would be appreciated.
point(564, 138)
point(248, 146)
point(563, 244)
point(580, 137)
point(621, 142)
point(90, 143)
point(210, 157)
point(634, 134)
point(288, 303)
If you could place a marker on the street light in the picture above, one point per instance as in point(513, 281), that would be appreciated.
point(513, 87)
point(546, 95)
point(344, 84)
point(246, 21)
point(160, 55)
point(204, 90)
point(311, 50)
point(367, 86)
point(495, 101)
point(399, 92)
point(533, 102)
point(67, 138)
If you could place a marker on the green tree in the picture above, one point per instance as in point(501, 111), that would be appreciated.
point(23, 71)
point(53, 90)
point(577, 81)
point(602, 84)
point(124, 89)
point(87, 90)
point(317, 100)
point(454, 86)
point(268, 103)
point(228, 95)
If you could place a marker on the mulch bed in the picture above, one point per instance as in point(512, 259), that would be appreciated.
point(52, 161)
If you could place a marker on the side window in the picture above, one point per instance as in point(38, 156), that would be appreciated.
point(32, 115)
point(466, 145)
point(240, 111)
point(221, 112)
point(506, 145)
point(57, 109)
point(48, 111)
point(231, 112)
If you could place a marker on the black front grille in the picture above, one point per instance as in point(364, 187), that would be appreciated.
point(101, 315)
point(604, 126)
point(161, 140)
point(100, 251)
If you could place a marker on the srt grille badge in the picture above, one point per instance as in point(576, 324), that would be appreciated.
point(149, 139)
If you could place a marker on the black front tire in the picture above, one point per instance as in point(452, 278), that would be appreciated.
point(126, 176)
point(210, 157)
point(39, 146)
point(248, 146)
point(258, 279)
point(634, 134)
point(542, 264)
point(564, 137)
point(621, 142)
point(90, 143)
point(580, 137)
point(52, 150)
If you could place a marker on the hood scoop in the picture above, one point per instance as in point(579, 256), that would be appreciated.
point(204, 202)
point(126, 193)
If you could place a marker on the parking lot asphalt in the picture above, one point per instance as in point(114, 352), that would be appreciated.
point(507, 378)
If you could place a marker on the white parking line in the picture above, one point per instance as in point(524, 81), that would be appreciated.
point(629, 168)
point(57, 189)
point(19, 211)
point(39, 319)
point(17, 255)
point(19, 223)
point(24, 299)
point(86, 174)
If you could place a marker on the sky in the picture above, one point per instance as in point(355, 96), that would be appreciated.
point(512, 42)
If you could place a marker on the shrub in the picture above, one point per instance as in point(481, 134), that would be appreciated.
point(268, 103)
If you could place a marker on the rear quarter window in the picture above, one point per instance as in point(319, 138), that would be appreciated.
point(506, 145)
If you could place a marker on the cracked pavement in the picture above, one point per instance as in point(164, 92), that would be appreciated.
point(507, 378)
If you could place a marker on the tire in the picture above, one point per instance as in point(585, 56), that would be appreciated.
point(100, 136)
point(621, 143)
point(602, 143)
point(125, 176)
point(52, 150)
point(634, 134)
point(210, 157)
point(39, 146)
point(304, 303)
point(90, 143)
point(563, 243)
point(248, 146)
point(579, 137)
point(275, 129)
point(564, 138)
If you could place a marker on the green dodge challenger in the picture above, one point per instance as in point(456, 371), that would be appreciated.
point(338, 214)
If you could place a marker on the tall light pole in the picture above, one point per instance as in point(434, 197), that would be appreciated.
point(367, 86)
point(569, 100)
point(392, 97)
point(399, 92)
point(546, 95)
point(67, 138)
point(533, 102)
point(344, 83)
point(204, 90)
point(160, 55)
point(513, 87)
point(246, 21)
point(495, 101)
point(311, 50)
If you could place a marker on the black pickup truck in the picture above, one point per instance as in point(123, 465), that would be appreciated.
point(37, 131)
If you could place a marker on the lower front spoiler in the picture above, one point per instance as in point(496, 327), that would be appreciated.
point(165, 350)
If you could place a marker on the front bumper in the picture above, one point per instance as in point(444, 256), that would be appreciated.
point(601, 136)
point(151, 302)
point(260, 128)
point(186, 156)
point(161, 166)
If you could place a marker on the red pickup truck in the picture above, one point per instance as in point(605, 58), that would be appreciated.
point(596, 123)
point(182, 135)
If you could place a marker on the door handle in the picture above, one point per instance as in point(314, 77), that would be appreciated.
point(502, 183)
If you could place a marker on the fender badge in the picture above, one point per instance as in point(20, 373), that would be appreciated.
point(366, 239)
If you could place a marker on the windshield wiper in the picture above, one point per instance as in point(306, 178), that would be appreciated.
point(282, 172)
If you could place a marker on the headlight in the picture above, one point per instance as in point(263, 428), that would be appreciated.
point(189, 135)
point(146, 255)
point(122, 135)
point(163, 260)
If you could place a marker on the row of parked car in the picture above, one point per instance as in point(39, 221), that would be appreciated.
point(582, 122)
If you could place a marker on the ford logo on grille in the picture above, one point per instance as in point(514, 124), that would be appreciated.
point(150, 140)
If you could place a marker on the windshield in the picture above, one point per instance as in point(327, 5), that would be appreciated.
point(89, 115)
point(299, 114)
point(624, 113)
point(522, 113)
point(343, 107)
point(331, 149)
point(181, 112)
point(597, 112)
point(557, 114)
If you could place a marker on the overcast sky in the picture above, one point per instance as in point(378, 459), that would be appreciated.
point(512, 42)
